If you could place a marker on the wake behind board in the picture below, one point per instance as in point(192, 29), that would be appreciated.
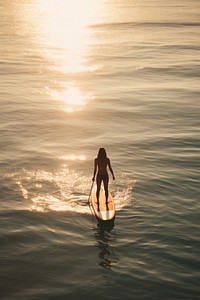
point(105, 212)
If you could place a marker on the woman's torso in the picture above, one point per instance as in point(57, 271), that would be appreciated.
point(102, 166)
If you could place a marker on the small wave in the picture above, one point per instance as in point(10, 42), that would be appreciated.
point(124, 25)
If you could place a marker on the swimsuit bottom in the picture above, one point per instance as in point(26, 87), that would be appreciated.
point(102, 176)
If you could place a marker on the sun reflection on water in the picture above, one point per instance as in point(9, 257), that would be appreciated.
point(73, 157)
point(71, 97)
point(64, 32)
point(64, 38)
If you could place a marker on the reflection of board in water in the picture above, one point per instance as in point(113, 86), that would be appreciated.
point(105, 211)
point(107, 256)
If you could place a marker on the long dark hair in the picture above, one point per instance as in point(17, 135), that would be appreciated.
point(102, 154)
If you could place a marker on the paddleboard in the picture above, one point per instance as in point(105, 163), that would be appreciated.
point(105, 212)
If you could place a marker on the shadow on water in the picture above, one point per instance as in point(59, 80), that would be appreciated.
point(107, 256)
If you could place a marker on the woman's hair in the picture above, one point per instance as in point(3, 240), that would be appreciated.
point(102, 154)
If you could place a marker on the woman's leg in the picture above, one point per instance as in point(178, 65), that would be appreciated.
point(98, 181)
point(105, 183)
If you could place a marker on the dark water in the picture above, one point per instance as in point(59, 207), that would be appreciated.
point(76, 76)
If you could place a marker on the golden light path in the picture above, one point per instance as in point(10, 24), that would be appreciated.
point(60, 31)
point(63, 37)
point(65, 33)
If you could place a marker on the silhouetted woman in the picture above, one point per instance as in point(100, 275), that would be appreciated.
point(100, 166)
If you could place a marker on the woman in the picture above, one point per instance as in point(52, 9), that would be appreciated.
point(100, 164)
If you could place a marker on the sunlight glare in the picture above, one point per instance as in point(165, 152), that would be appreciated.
point(71, 96)
point(73, 157)
point(65, 32)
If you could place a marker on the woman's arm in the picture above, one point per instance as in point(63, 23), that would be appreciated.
point(110, 168)
point(95, 169)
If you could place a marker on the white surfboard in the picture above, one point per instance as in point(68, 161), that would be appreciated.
point(104, 212)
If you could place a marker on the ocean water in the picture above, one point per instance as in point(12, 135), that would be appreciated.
point(76, 76)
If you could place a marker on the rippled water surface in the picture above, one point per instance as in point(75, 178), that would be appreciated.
point(76, 76)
